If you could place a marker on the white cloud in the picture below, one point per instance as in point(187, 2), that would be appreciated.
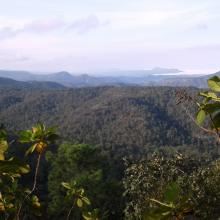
point(109, 33)
point(80, 26)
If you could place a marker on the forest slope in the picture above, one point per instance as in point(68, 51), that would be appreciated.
point(131, 118)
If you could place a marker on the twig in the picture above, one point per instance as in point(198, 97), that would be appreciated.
point(70, 211)
point(36, 174)
point(11, 142)
point(202, 128)
point(182, 98)
point(33, 187)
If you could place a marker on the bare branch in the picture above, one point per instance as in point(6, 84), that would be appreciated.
point(201, 127)
point(33, 187)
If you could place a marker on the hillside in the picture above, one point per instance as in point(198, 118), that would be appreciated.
point(14, 84)
point(116, 118)
point(104, 132)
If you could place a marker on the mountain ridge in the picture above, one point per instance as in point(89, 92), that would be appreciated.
point(155, 77)
point(15, 84)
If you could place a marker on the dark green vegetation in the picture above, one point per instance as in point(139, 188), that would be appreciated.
point(169, 185)
point(129, 118)
point(8, 83)
point(17, 201)
point(108, 139)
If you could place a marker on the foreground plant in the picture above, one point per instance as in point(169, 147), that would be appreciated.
point(174, 206)
point(16, 200)
point(39, 137)
point(12, 195)
point(11, 171)
point(209, 108)
point(78, 199)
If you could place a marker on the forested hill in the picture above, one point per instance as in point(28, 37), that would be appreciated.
point(129, 118)
point(104, 133)
point(14, 84)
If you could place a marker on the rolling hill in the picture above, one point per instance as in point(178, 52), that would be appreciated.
point(14, 84)
point(154, 77)
point(117, 118)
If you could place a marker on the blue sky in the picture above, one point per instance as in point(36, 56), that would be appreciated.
point(100, 35)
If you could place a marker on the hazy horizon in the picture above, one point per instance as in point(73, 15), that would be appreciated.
point(121, 72)
point(98, 36)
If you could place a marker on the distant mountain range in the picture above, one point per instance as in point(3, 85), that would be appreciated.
point(11, 83)
point(154, 77)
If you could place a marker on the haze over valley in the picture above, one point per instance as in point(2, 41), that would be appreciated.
point(154, 77)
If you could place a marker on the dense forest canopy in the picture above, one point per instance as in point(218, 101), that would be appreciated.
point(131, 117)
point(121, 146)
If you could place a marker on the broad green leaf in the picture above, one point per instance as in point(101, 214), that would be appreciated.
point(25, 136)
point(87, 216)
point(200, 116)
point(38, 133)
point(3, 148)
point(208, 95)
point(3, 134)
point(166, 213)
point(35, 201)
point(81, 191)
point(31, 149)
point(86, 200)
point(79, 203)
point(216, 121)
point(212, 107)
point(14, 166)
point(34, 198)
point(214, 83)
point(66, 185)
point(172, 193)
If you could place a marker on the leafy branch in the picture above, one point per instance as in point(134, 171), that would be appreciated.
point(40, 138)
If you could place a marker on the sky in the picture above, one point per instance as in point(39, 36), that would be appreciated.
point(103, 35)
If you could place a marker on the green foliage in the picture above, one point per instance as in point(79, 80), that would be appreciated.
point(14, 166)
point(121, 122)
point(11, 171)
point(16, 201)
point(91, 215)
point(12, 194)
point(3, 144)
point(39, 137)
point(209, 108)
point(35, 201)
point(201, 116)
point(78, 198)
point(205, 191)
point(214, 83)
point(148, 179)
point(172, 193)
point(86, 166)
point(78, 194)
point(162, 186)
point(174, 206)
point(176, 196)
